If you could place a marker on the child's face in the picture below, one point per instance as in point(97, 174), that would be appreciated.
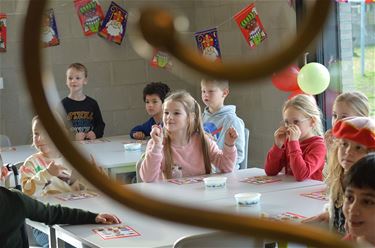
point(75, 80)
point(175, 118)
point(212, 95)
point(340, 111)
point(359, 211)
point(40, 138)
point(350, 152)
point(153, 104)
point(293, 116)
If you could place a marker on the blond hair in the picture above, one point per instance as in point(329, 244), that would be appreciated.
point(356, 100)
point(79, 67)
point(195, 125)
point(222, 84)
point(334, 177)
point(307, 105)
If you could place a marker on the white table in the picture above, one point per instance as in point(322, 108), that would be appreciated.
point(16, 154)
point(276, 198)
point(196, 192)
point(108, 153)
point(111, 155)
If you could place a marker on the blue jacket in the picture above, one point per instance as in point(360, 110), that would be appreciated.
point(145, 127)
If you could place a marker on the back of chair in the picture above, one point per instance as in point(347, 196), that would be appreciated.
point(243, 164)
point(138, 167)
point(218, 239)
point(5, 141)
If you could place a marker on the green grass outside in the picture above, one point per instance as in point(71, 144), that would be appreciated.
point(365, 83)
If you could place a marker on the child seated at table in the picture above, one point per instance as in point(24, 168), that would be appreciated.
point(82, 111)
point(46, 172)
point(347, 104)
point(181, 148)
point(359, 202)
point(16, 207)
point(153, 95)
point(217, 117)
point(299, 146)
point(354, 139)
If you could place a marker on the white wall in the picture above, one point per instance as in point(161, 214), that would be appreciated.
point(117, 74)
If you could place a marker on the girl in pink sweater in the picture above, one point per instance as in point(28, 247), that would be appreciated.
point(299, 146)
point(181, 148)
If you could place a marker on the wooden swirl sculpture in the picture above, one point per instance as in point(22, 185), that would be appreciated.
point(245, 225)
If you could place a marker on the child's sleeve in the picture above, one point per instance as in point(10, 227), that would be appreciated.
point(33, 177)
point(225, 159)
point(151, 167)
point(144, 128)
point(54, 214)
point(98, 122)
point(303, 166)
point(275, 161)
point(240, 141)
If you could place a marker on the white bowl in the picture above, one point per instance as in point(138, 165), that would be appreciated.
point(215, 182)
point(133, 146)
point(247, 199)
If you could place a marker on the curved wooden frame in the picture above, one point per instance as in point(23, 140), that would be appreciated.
point(246, 225)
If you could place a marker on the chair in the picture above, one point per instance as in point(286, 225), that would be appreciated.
point(219, 239)
point(243, 164)
point(5, 141)
point(138, 167)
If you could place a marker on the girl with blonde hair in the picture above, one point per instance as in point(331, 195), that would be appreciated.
point(181, 148)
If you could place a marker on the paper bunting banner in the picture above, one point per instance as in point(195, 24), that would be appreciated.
point(161, 60)
point(208, 44)
point(90, 15)
point(250, 25)
point(114, 25)
point(355, 1)
point(3, 32)
point(50, 36)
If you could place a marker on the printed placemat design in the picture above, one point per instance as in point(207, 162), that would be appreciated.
point(260, 180)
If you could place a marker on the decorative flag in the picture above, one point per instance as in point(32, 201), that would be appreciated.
point(250, 25)
point(90, 15)
point(208, 44)
point(355, 1)
point(50, 37)
point(114, 25)
point(161, 60)
point(3, 32)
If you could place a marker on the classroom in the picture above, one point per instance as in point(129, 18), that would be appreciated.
point(156, 126)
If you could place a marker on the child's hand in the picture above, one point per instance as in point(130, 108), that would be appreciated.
point(80, 136)
point(56, 170)
point(230, 136)
point(294, 132)
point(328, 138)
point(91, 135)
point(280, 136)
point(157, 134)
point(107, 219)
point(139, 135)
point(323, 217)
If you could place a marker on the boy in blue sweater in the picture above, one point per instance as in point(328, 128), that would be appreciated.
point(218, 118)
point(153, 95)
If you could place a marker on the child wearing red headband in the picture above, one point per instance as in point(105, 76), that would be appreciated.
point(355, 138)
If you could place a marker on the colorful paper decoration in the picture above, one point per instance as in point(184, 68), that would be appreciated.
point(50, 36)
point(90, 15)
point(161, 60)
point(208, 44)
point(3, 32)
point(250, 25)
point(114, 25)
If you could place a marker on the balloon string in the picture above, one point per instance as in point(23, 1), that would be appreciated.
point(306, 55)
